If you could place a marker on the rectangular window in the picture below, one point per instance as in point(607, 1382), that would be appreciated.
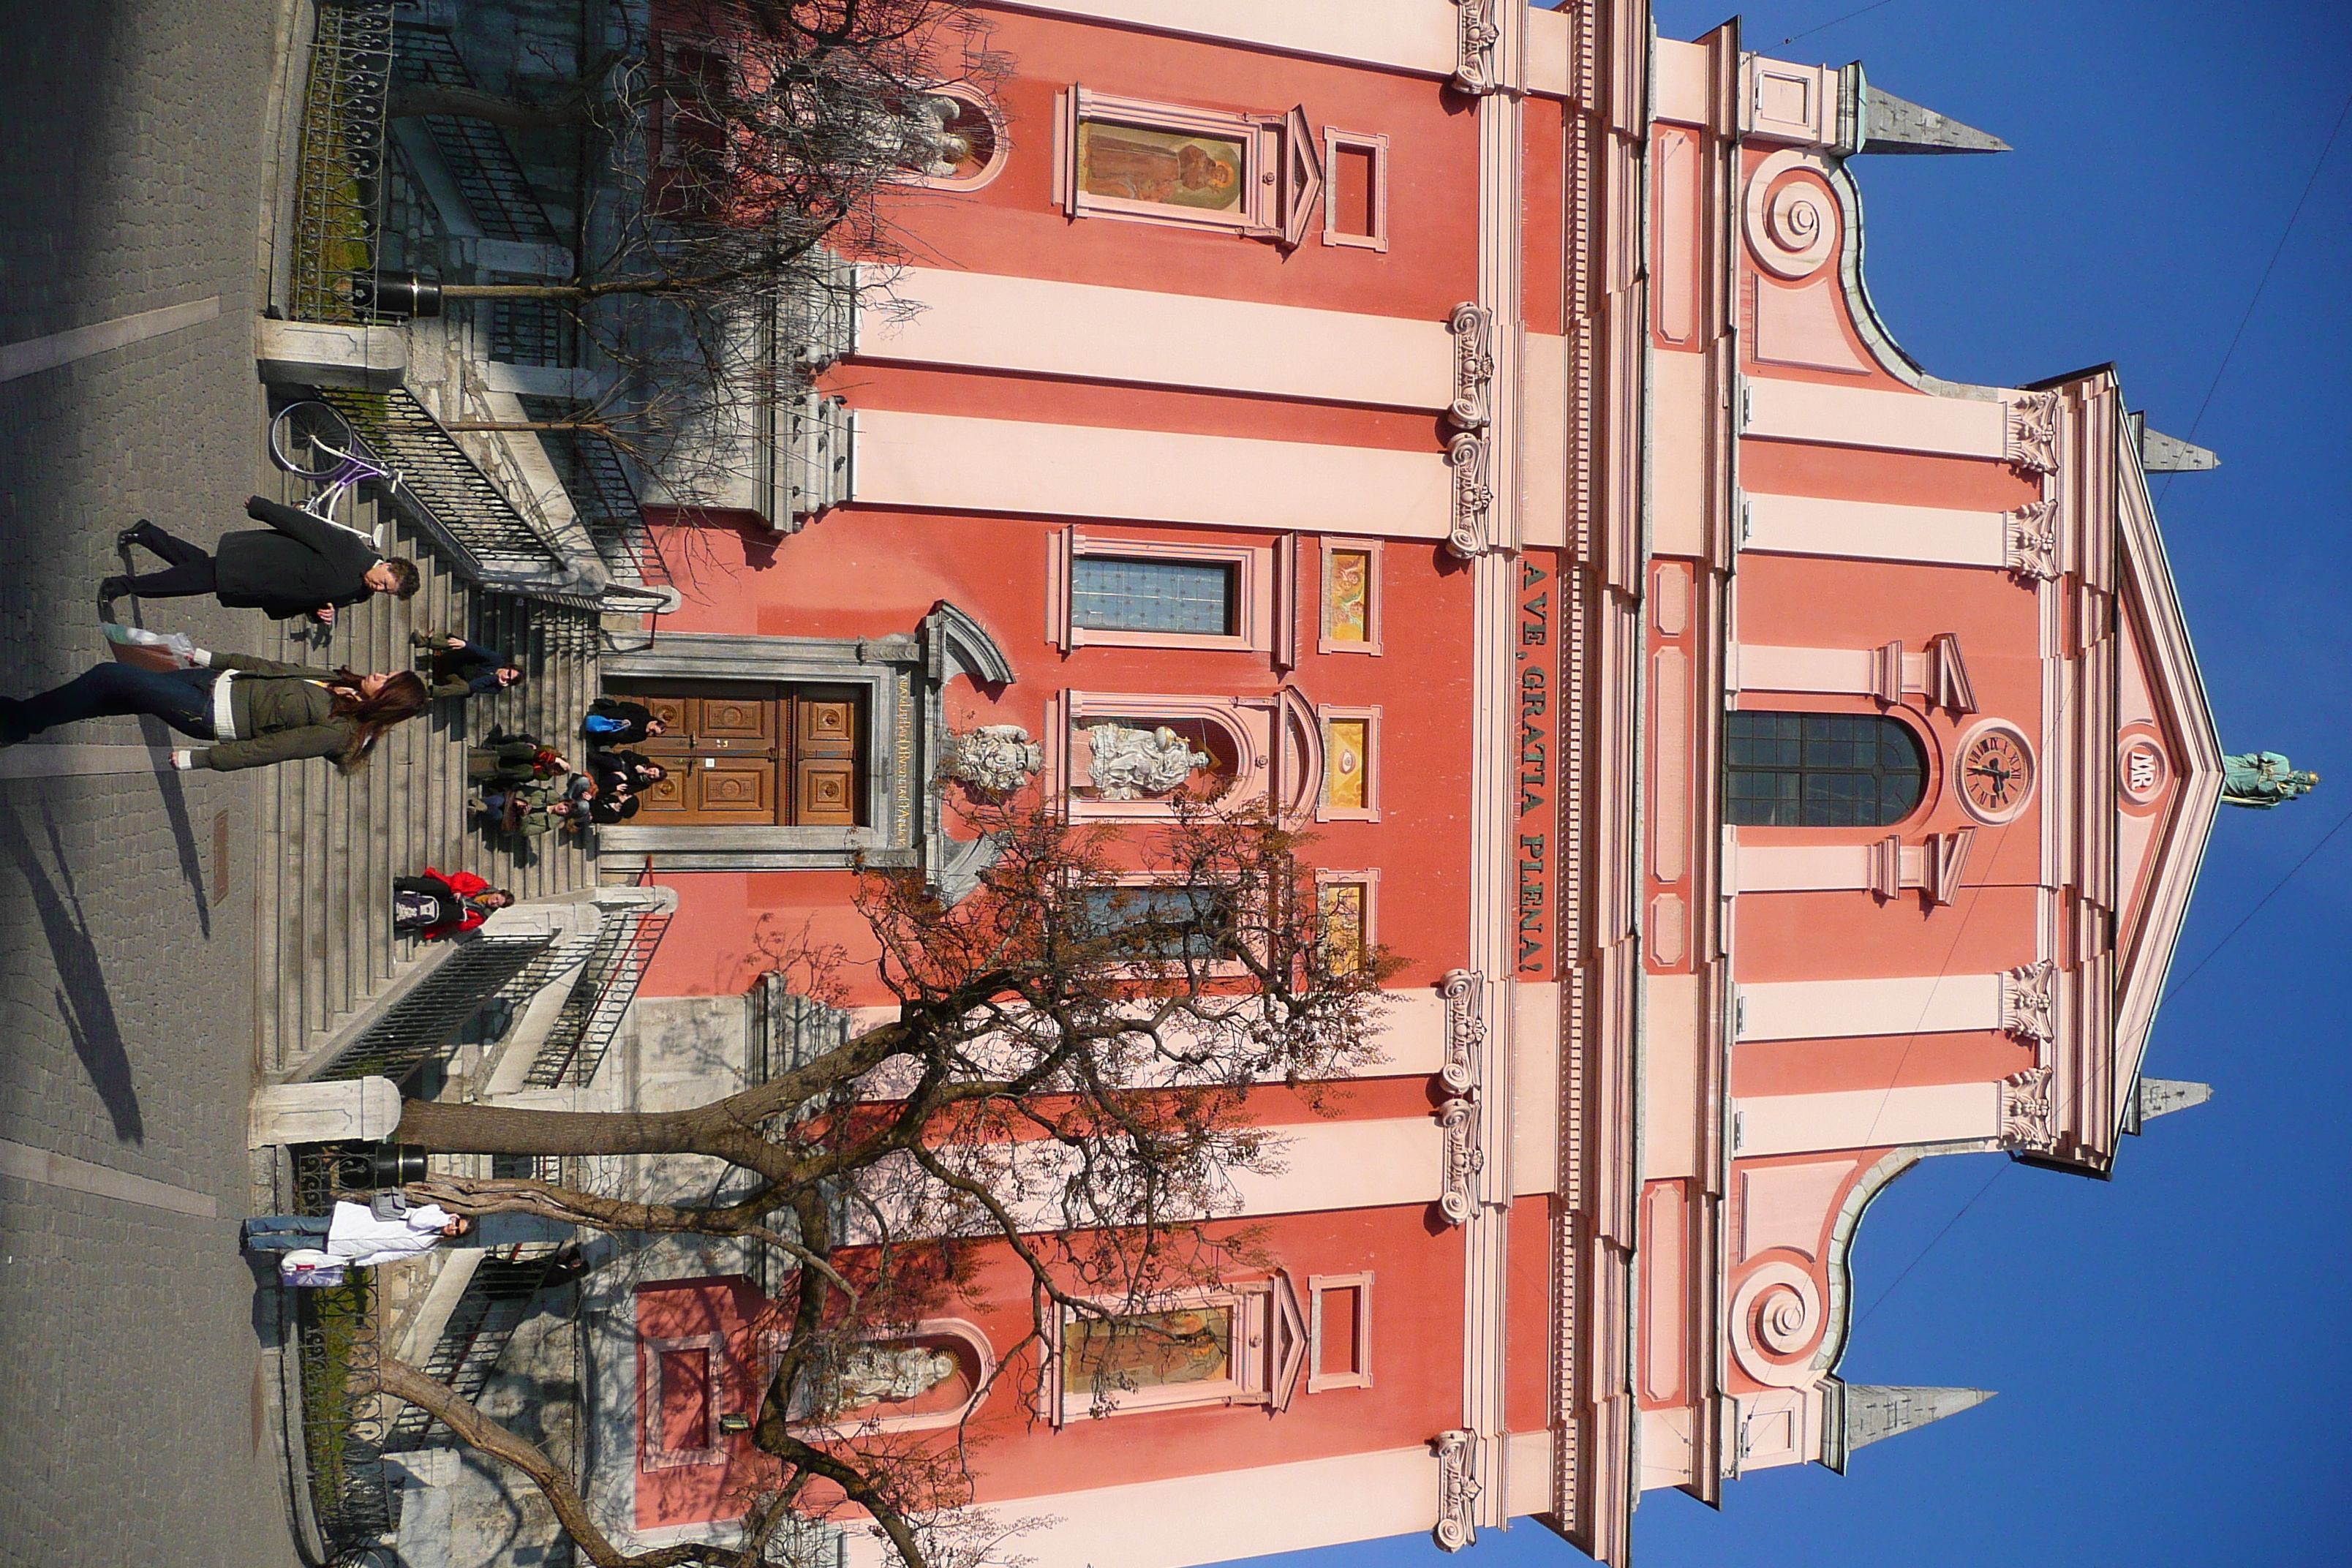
point(1120, 593)
point(1241, 1345)
point(1255, 174)
point(1166, 924)
point(1345, 898)
point(1351, 783)
point(1351, 597)
point(1355, 192)
point(1158, 592)
point(1340, 1331)
point(678, 1397)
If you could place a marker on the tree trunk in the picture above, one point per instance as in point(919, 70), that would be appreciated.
point(411, 100)
point(456, 1129)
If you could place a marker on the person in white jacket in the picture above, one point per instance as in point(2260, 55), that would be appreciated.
point(356, 1236)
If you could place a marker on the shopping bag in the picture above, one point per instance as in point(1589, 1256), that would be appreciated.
point(162, 651)
point(311, 1270)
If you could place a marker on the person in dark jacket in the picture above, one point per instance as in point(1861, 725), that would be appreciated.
point(256, 712)
point(298, 565)
point(625, 772)
point(512, 761)
point(616, 722)
point(460, 669)
point(606, 809)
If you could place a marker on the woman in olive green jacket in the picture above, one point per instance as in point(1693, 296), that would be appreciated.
point(256, 712)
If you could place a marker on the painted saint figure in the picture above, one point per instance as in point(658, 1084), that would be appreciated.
point(1185, 174)
point(2261, 780)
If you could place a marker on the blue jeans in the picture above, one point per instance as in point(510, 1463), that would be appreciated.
point(285, 1232)
point(181, 698)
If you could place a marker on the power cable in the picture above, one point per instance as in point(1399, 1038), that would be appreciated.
point(2288, 232)
point(1826, 27)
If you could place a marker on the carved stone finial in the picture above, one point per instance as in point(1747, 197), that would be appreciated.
point(2029, 543)
point(1474, 37)
point(1464, 1158)
point(1457, 1488)
point(2028, 1005)
point(1466, 1028)
point(1891, 124)
point(2028, 1116)
point(1876, 1411)
point(2033, 431)
point(994, 759)
point(2163, 1096)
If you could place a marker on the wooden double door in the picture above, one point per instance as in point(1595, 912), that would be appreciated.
point(754, 754)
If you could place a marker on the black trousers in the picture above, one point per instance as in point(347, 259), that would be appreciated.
point(188, 570)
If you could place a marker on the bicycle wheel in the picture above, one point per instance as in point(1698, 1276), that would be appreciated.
point(312, 441)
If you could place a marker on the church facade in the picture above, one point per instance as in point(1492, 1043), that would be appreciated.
point(1466, 429)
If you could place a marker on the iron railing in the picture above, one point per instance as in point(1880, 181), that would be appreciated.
point(419, 1024)
point(496, 1301)
point(583, 1031)
point(596, 477)
point(337, 1348)
point(444, 492)
point(339, 189)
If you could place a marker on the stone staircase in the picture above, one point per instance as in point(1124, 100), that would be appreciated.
point(325, 942)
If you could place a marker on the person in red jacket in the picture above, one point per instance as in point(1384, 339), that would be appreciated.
point(443, 903)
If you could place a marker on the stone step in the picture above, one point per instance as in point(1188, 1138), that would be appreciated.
point(325, 916)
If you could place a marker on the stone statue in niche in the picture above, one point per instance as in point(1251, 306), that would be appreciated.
point(1130, 764)
point(994, 759)
point(2262, 779)
point(871, 1373)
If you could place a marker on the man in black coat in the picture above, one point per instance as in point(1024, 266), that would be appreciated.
point(298, 565)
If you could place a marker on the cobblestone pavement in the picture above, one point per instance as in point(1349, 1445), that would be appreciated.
point(133, 1426)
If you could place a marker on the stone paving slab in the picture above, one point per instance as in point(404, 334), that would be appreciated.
point(132, 1408)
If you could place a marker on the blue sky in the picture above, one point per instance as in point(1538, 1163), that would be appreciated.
point(2171, 1347)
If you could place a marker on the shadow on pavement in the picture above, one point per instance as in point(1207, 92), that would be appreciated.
point(175, 806)
point(84, 1004)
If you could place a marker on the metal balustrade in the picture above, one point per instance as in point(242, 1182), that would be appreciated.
point(339, 190)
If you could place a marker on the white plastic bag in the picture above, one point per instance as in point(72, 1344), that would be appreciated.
point(151, 650)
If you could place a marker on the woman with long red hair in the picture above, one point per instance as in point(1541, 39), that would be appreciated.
point(255, 712)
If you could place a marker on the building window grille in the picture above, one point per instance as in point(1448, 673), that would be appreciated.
point(1111, 593)
point(1819, 770)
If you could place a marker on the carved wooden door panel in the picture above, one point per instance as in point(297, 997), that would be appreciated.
point(722, 756)
point(754, 755)
point(824, 759)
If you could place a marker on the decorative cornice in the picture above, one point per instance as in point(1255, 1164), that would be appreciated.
point(1475, 34)
point(2029, 543)
point(1457, 1488)
point(2033, 431)
point(2028, 1118)
point(2028, 1004)
point(1473, 326)
point(1474, 497)
point(1466, 1028)
point(1464, 1158)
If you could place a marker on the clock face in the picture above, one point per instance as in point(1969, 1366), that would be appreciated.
point(1996, 774)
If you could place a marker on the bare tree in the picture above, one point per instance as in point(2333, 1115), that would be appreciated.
point(1066, 1083)
point(740, 137)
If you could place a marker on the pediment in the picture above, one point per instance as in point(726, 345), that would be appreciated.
point(2167, 768)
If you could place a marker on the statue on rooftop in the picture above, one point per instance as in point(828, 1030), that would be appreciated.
point(2261, 780)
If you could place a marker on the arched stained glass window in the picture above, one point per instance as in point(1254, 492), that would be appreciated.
point(1819, 770)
